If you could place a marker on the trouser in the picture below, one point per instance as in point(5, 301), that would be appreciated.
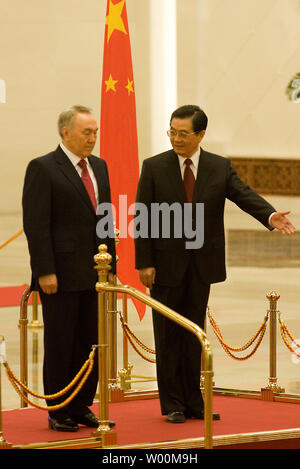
point(178, 351)
point(70, 330)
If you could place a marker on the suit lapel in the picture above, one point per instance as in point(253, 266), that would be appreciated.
point(204, 171)
point(73, 177)
point(174, 174)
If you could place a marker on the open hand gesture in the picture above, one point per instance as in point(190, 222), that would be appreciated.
point(282, 223)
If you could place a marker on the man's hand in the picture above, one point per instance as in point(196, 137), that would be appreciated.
point(147, 276)
point(282, 223)
point(48, 283)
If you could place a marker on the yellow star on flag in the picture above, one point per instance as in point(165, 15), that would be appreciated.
point(129, 86)
point(110, 84)
point(114, 20)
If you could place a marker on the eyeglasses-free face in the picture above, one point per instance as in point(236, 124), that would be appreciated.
point(184, 140)
point(80, 137)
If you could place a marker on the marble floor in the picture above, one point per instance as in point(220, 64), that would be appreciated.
point(238, 305)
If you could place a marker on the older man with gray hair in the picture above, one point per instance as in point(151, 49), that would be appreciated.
point(61, 192)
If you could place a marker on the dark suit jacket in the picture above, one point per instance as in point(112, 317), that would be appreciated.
point(161, 181)
point(60, 222)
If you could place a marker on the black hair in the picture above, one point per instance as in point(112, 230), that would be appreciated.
point(199, 118)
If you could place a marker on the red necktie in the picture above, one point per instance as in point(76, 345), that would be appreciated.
point(188, 180)
point(86, 179)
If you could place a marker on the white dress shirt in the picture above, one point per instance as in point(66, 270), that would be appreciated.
point(194, 165)
point(75, 160)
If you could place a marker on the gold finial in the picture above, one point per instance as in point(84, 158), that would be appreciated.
point(103, 259)
point(273, 295)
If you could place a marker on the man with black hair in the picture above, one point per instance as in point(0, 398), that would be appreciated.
point(180, 276)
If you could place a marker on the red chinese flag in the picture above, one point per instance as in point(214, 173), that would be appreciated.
point(118, 137)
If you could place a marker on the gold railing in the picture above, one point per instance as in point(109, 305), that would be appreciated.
point(103, 260)
point(104, 435)
point(272, 315)
point(109, 381)
point(107, 346)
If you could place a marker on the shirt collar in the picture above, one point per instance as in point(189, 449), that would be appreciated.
point(195, 158)
point(72, 157)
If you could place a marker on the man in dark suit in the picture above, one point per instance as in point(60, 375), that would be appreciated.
point(61, 192)
point(178, 272)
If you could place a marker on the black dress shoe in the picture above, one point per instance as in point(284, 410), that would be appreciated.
point(176, 417)
point(200, 415)
point(89, 420)
point(64, 424)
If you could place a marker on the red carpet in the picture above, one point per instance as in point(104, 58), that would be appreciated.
point(140, 421)
point(11, 296)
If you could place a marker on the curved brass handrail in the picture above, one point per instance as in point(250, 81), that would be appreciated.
point(103, 260)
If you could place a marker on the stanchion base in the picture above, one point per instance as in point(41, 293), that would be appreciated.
point(5, 445)
point(107, 438)
point(267, 393)
point(116, 395)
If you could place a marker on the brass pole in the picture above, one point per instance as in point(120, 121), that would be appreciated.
point(125, 342)
point(187, 324)
point(35, 323)
point(112, 329)
point(102, 260)
point(202, 376)
point(23, 321)
point(3, 442)
point(103, 362)
point(125, 372)
point(273, 297)
point(35, 359)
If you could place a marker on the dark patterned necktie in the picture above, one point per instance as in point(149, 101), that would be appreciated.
point(86, 179)
point(188, 180)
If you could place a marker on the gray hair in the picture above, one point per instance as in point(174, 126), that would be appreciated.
point(66, 118)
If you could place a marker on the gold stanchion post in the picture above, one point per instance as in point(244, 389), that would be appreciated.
point(108, 436)
point(35, 323)
point(116, 393)
point(23, 323)
point(125, 372)
point(3, 443)
point(272, 387)
point(112, 321)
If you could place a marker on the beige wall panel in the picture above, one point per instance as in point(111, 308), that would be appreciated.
point(53, 58)
point(246, 53)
